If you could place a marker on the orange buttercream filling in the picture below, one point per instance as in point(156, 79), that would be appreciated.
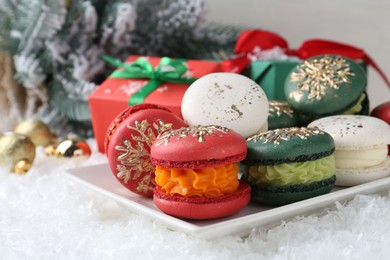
point(207, 182)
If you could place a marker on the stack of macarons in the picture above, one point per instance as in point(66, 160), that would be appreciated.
point(189, 165)
point(196, 167)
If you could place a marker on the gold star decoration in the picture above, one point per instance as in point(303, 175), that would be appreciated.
point(135, 159)
point(316, 76)
point(284, 134)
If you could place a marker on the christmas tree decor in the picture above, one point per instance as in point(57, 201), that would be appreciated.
point(56, 47)
point(16, 151)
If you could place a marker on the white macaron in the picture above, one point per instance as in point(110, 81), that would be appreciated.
point(226, 99)
point(361, 147)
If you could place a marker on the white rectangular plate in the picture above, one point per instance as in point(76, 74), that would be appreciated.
point(100, 179)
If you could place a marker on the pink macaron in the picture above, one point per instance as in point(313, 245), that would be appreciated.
point(197, 172)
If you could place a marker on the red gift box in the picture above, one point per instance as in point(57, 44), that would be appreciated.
point(113, 95)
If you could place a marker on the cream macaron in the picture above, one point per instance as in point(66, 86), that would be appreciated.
point(226, 99)
point(361, 147)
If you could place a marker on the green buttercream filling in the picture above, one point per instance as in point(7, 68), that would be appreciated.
point(357, 107)
point(293, 173)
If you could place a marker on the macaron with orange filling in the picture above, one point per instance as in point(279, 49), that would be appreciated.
point(197, 172)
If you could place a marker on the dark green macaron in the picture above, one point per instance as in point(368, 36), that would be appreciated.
point(326, 84)
point(281, 115)
point(286, 165)
point(361, 107)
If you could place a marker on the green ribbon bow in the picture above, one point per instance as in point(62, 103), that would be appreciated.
point(168, 70)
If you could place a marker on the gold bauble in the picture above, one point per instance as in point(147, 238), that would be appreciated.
point(18, 151)
point(37, 131)
point(71, 148)
point(22, 167)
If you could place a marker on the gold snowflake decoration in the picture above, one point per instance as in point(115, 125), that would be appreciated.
point(316, 76)
point(284, 134)
point(280, 108)
point(134, 159)
point(198, 131)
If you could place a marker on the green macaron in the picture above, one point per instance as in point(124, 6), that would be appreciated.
point(325, 85)
point(281, 115)
point(286, 165)
point(359, 108)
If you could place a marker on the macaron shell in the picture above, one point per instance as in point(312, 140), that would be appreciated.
point(203, 208)
point(352, 177)
point(325, 84)
point(305, 119)
point(226, 99)
point(128, 149)
point(284, 198)
point(283, 195)
point(198, 147)
point(354, 131)
point(125, 114)
point(284, 145)
point(281, 115)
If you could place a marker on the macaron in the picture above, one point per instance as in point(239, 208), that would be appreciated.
point(128, 143)
point(227, 99)
point(361, 147)
point(281, 115)
point(325, 85)
point(287, 165)
point(197, 172)
point(359, 108)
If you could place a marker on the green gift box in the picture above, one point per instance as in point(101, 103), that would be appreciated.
point(271, 75)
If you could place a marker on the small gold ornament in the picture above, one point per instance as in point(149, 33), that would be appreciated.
point(50, 150)
point(38, 132)
point(70, 148)
point(22, 167)
point(18, 151)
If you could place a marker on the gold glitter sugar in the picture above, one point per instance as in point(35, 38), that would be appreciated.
point(196, 131)
point(135, 159)
point(284, 134)
point(280, 108)
point(318, 75)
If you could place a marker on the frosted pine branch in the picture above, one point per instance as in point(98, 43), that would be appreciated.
point(29, 71)
point(118, 22)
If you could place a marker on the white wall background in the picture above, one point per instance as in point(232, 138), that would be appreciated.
point(362, 23)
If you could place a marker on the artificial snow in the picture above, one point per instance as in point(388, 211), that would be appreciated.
point(44, 215)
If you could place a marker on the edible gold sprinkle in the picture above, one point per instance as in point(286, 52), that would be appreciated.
point(316, 76)
point(285, 134)
point(198, 131)
point(280, 108)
